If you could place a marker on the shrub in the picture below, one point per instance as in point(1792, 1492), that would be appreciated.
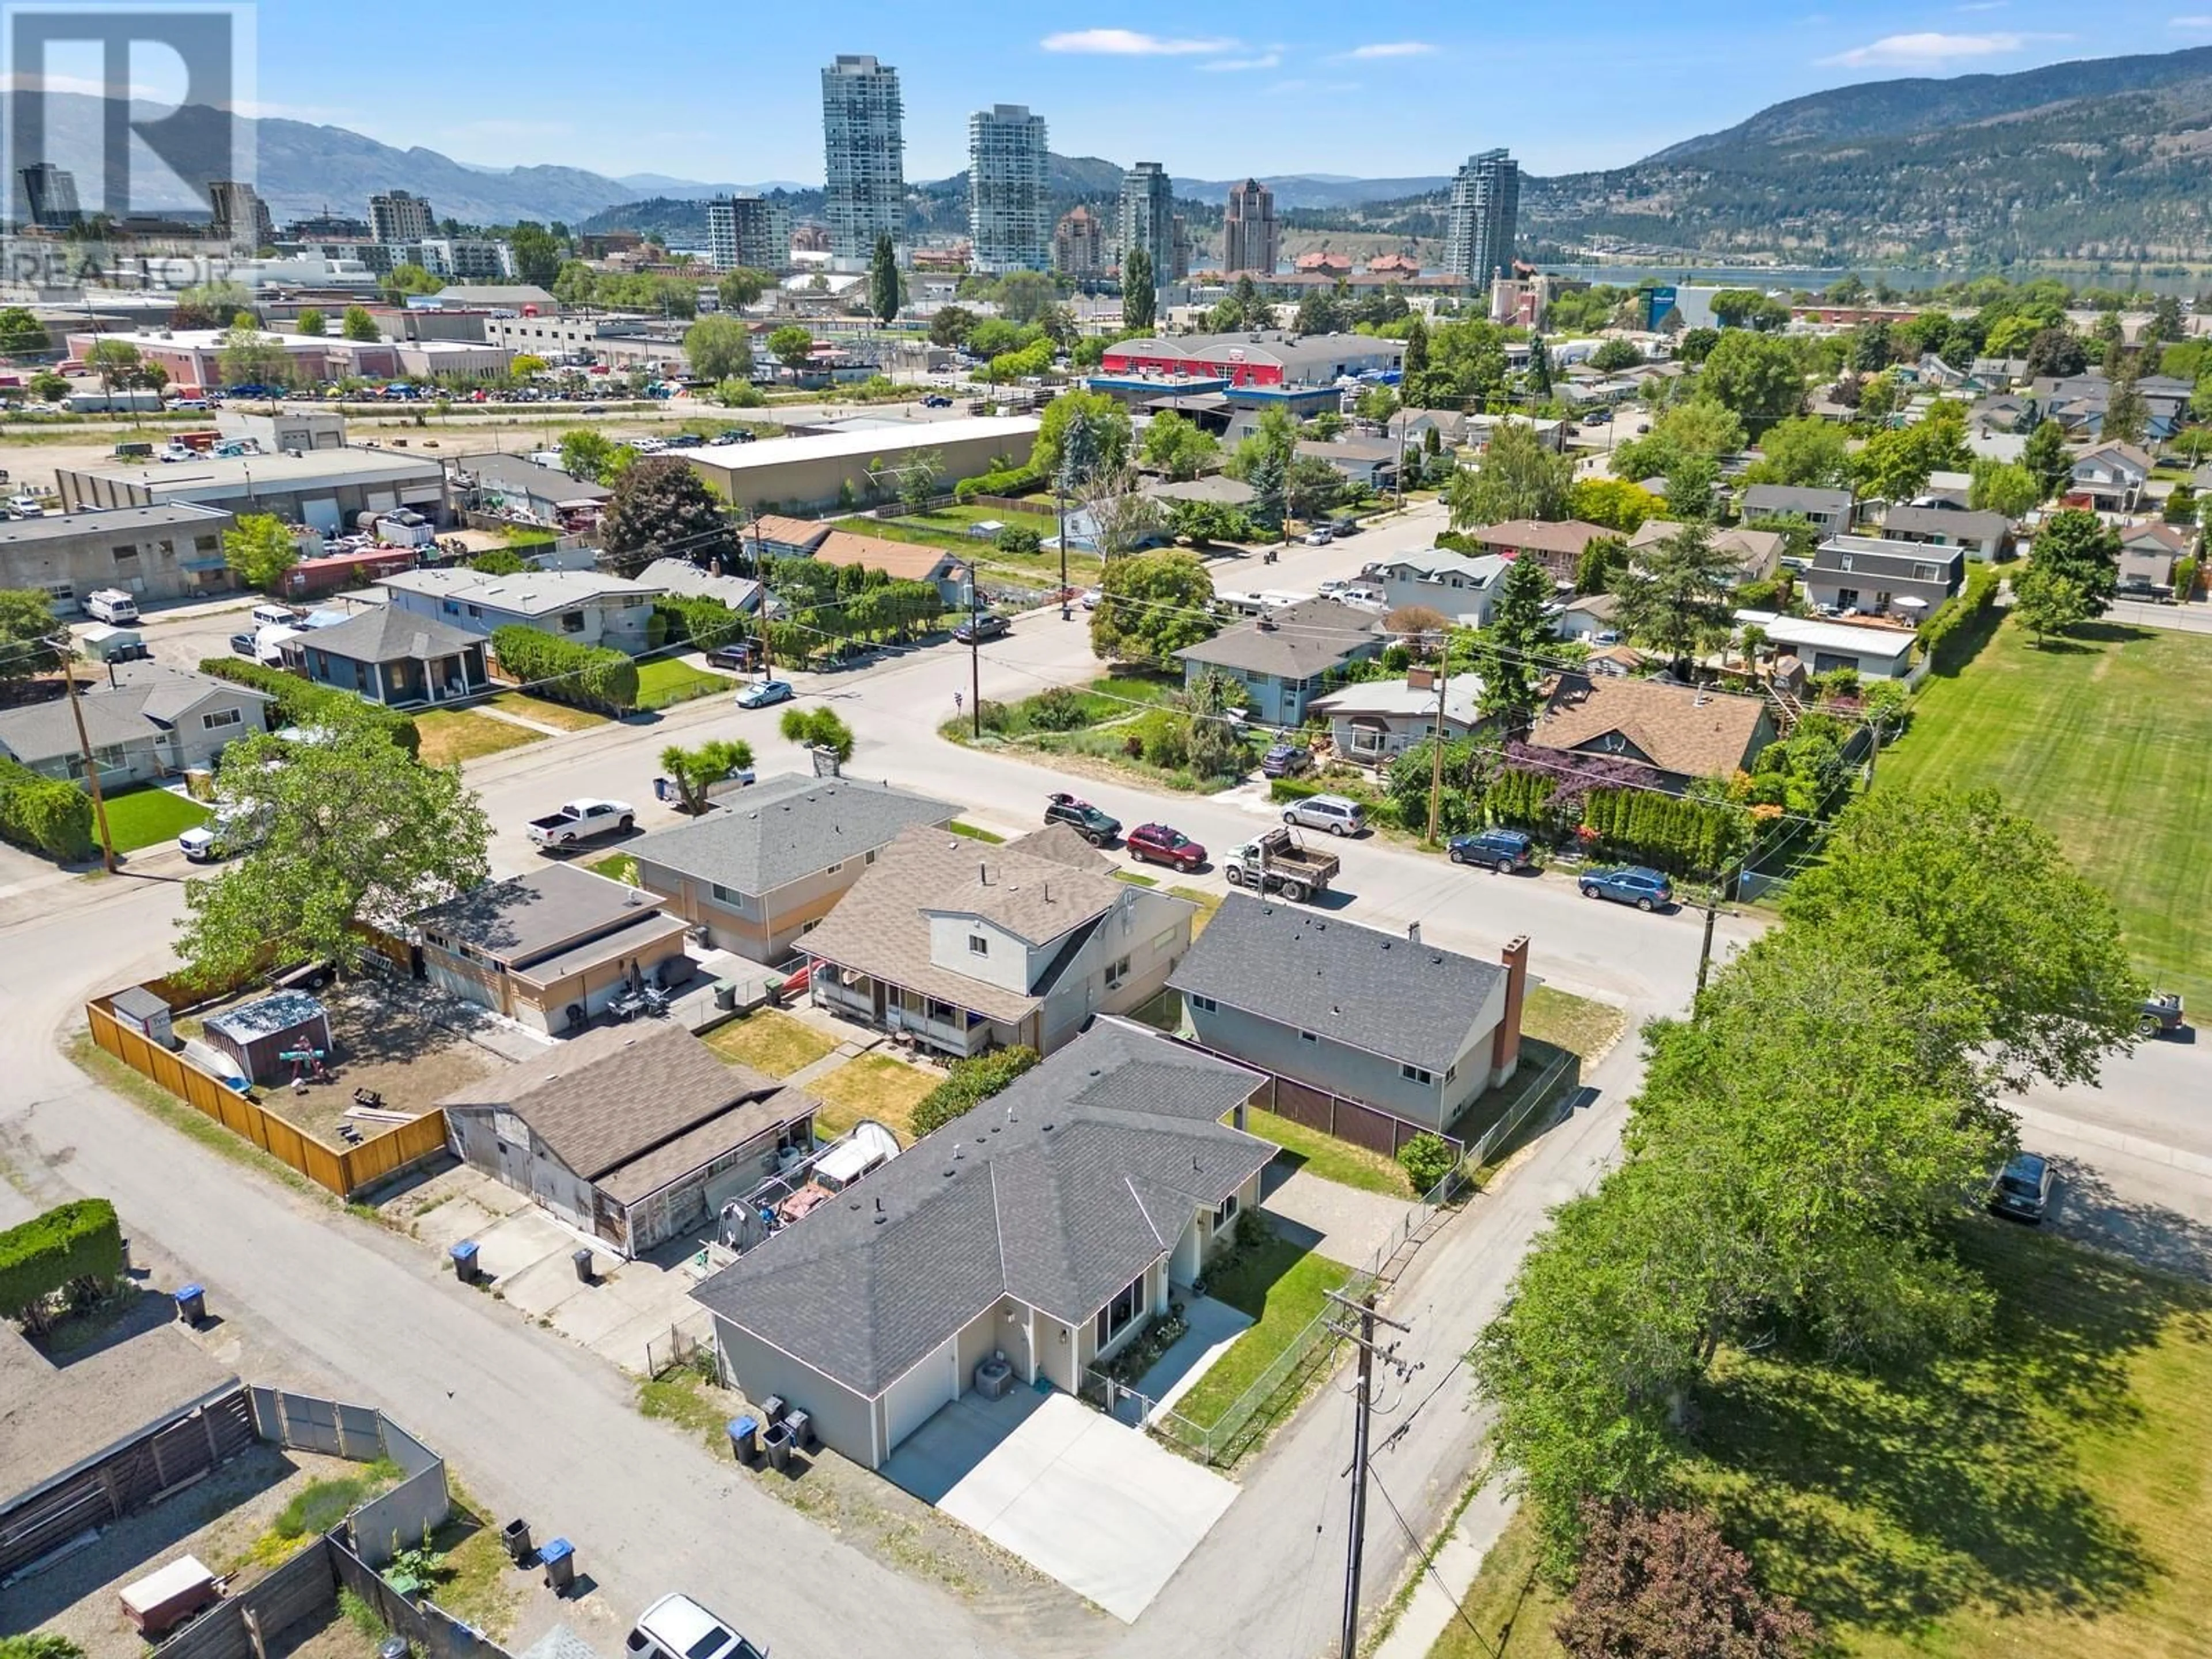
point(77, 1242)
point(1012, 481)
point(46, 815)
point(1162, 737)
point(591, 677)
point(1426, 1159)
point(1955, 631)
point(1293, 788)
point(1057, 708)
point(1016, 539)
point(302, 703)
point(971, 1083)
point(703, 623)
point(1672, 832)
point(45, 1645)
point(2184, 578)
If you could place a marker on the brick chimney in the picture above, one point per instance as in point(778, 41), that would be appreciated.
point(1420, 678)
point(1505, 1041)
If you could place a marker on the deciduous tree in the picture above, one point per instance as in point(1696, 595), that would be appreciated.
point(719, 349)
point(660, 506)
point(2046, 601)
point(1665, 1584)
point(26, 621)
point(1756, 376)
point(1675, 597)
point(2005, 487)
point(591, 455)
point(1081, 434)
point(742, 287)
point(792, 345)
point(259, 548)
point(2084, 549)
point(1178, 448)
point(1804, 451)
point(358, 324)
point(1152, 605)
point(314, 323)
point(1519, 477)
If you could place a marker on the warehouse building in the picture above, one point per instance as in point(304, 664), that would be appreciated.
point(170, 551)
point(820, 471)
point(323, 489)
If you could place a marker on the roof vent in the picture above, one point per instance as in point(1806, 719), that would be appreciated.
point(1413, 931)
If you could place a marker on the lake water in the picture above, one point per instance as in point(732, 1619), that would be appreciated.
point(1898, 277)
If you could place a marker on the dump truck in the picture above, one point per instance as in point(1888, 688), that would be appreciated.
point(1279, 861)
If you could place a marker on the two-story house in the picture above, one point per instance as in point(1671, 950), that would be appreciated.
point(1370, 463)
point(583, 605)
point(2109, 477)
point(1983, 537)
point(1409, 1031)
point(2148, 553)
point(1460, 585)
point(1283, 658)
point(1828, 511)
point(966, 946)
point(1757, 553)
point(1876, 577)
point(772, 861)
point(147, 722)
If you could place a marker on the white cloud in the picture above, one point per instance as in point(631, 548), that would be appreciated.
point(1929, 48)
point(2198, 22)
point(1982, 6)
point(1131, 43)
point(1314, 86)
point(1269, 59)
point(1392, 49)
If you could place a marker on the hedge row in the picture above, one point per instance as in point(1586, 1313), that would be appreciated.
point(302, 703)
point(1519, 798)
point(588, 676)
point(82, 1240)
point(44, 814)
point(697, 620)
point(1014, 481)
point(1965, 611)
point(1677, 835)
point(969, 1083)
point(1293, 788)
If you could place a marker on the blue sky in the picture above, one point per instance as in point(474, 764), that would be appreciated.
point(732, 93)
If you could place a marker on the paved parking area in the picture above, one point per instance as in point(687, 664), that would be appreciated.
point(1340, 1222)
point(1095, 1503)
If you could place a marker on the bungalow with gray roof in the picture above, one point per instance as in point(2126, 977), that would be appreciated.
point(1828, 511)
point(392, 655)
point(146, 722)
point(1023, 1243)
point(1984, 536)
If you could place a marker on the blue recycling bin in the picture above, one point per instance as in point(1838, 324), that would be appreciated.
point(192, 1303)
point(744, 1439)
point(465, 1260)
point(558, 1557)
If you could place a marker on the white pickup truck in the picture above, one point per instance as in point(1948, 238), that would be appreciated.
point(580, 821)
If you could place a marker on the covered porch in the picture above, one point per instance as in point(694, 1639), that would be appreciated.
point(959, 1033)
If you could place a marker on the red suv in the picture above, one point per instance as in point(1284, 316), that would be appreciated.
point(1155, 843)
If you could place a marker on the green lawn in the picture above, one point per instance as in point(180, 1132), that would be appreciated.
point(559, 715)
point(770, 1040)
point(1207, 903)
point(671, 679)
point(1579, 1024)
point(2048, 1492)
point(452, 735)
point(1285, 1289)
point(948, 528)
point(614, 866)
point(1328, 1156)
point(143, 817)
point(976, 832)
point(2104, 741)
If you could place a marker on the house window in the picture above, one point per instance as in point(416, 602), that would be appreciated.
point(125, 554)
point(1843, 561)
point(1415, 1074)
point(1848, 598)
point(215, 719)
point(475, 610)
point(1116, 973)
point(727, 895)
point(452, 607)
point(1226, 1213)
point(1309, 1037)
point(572, 621)
point(1925, 572)
point(1117, 1315)
point(978, 945)
point(1204, 1005)
point(872, 855)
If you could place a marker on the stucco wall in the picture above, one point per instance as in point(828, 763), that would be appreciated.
point(841, 1417)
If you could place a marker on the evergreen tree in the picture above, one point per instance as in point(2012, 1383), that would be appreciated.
point(1139, 299)
point(1508, 652)
point(883, 282)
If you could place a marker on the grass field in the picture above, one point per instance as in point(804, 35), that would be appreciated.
point(1284, 1289)
point(1328, 1158)
point(2048, 1493)
point(770, 1040)
point(2104, 740)
point(874, 1085)
point(450, 735)
point(558, 715)
point(672, 679)
point(145, 818)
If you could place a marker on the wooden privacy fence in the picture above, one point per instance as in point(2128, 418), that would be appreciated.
point(343, 1169)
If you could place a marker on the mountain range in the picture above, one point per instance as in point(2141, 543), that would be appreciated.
point(2103, 159)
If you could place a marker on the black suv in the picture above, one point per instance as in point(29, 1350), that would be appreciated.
point(1097, 828)
point(1502, 850)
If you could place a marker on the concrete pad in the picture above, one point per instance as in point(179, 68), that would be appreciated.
point(1341, 1222)
point(548, 1284)
point(1093, 1502)
point(455, 1220)
point(1214, 1328)
point(510, 1245)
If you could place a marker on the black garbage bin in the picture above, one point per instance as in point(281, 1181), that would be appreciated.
point(582, 1258)
point(744, 1439)
point(559, 1559)
point(515, 1534)
point(772, 1409)
point(465, 1260)
point(192, 1303)
point(777, 1443)
point(802, 1430)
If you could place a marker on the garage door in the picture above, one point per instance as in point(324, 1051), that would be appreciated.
point(914, 1398)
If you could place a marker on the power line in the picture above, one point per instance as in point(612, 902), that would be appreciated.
point(1429, 1565)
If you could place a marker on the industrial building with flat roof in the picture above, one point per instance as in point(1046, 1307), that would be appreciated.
point(819, 471)
point(323, 489)
point(170, 551)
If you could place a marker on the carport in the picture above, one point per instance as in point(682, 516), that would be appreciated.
point(1098, 1506)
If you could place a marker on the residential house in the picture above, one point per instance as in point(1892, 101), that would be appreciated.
point(1046, 1229)
point(1757, 553)
point(1412, 1032)
point(1550, 433)
point(1559, 543)
point(1984, 538)
point(905, 562)
point(2080, 403)
point(2148, 553)
point(1872, 576)
point(1216, 487)
point(688, 580)
point(634, 1135)
point(1828, 511)
point(1872, 652)
point(1996, 373)
point(772, 535)
point(965, 946)
point(582, 605)
point(1460, 585)
point(392, 656)
point(552, 948)
point(2109, 477)
point(770, 862)
point(516, 487)
point(1369, 463)
point(1587, 615)
point(1282, 658)
point(1681, 732)
point(1412, 427)
point(1372, 722)
point(145, 722)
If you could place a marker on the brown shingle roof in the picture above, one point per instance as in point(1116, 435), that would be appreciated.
point(1692, 733)
point(1063, 845)
point(1545, 536)
point(647, 1174)
point(903, 561)
point(792, 533)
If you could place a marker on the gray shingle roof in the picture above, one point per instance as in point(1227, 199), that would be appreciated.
point(388, 633)
point(1947, 521)
point(1304, 639)
point(787, 827)
point(1059, 1191)
point(144, 696)
point(1411, 1002)
point(525, 917)
point(1761, 499)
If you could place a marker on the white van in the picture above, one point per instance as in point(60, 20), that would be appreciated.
point(112, 605)
point(269, 614)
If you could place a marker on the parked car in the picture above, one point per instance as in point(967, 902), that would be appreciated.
point(580, 821)
point(760, 693)
point(244, 645)
point(736, 434)
point(2021, 1190)
point(1502, 850)
point(677, 1627)
point(269, 614)
point(1090, 597)
point(1285, 760)
point(1338, 814)
point(936, 400)
point(988, 626)
point(1155, 843)
point(1344, 527)
point(1095, 826)
point(1320, 536)
point(684, 440)
point(1629, 883)
point(2160, 1013)
point(740, 654)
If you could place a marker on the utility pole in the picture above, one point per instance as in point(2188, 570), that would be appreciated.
point(975, 653)
point(84, 746)
point(1705, 947)
point(1437, 742)
point(1059, 493)
point(1363, 1412)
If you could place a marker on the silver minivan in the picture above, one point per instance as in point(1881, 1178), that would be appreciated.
point(1337, 814)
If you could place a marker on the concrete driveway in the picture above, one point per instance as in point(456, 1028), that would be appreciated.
point(1093, 1502)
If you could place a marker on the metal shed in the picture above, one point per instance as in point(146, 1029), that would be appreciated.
point(255, 1033)
point(146, 1013)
